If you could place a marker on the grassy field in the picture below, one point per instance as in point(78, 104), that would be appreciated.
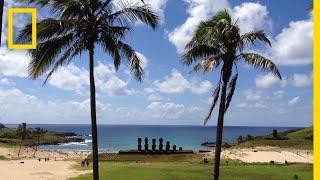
point(298, 139)
point(191, 167)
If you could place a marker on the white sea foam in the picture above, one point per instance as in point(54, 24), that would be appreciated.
point(74, 144)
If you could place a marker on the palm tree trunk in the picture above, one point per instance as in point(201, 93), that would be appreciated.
point(95, 157)
point(220, 129)
point(20, 147)
point(36, 148)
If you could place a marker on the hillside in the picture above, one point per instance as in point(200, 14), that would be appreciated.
point(296, 138)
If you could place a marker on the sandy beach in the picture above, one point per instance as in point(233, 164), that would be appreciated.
point(33, 169)
point(60, 165)
point(267, 154)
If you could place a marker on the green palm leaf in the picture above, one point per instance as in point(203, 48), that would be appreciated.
point(261, 62)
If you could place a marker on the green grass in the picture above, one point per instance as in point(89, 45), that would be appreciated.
point(296, 138)
point(2, 158)
point(190, 167)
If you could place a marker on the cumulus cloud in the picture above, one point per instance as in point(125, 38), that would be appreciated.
point(251, 95)
point(158, 6)
point(13, 63)
point(269, 80)
point(294, 45)
point(294, 101)
point(198, 10)
point(251, 16)
point(170, 110)
point(302, 80)
point(177, 83)
point(76, 79)
point(278, 94)
point(15, 104)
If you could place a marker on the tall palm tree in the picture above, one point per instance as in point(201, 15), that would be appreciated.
point(80, 26)
point(218, 41)
point(22, 133)
point(38, 133)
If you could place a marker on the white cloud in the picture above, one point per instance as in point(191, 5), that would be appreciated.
point(294, 101)
point(176, 83)
point(5, 82)
point(73, 78)
point(302, 80)
point(269, 80)
point(294, 45)
point(278, 94)
point(158, 6)
point(198, 10)
point(13, 63)
point(251, 95)
point(15, 104)
point(154, 97)
point(251, 16)
point(70, 77)
point(170, 110)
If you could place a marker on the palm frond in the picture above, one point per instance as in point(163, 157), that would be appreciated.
point(47, 28)
point(133, 60)
point(231, 88)
point(71, 52)
point(251, 37)
point(260, 62)
point(132, 13)
point(197, 52)
point(213, 103)
point(44, 56)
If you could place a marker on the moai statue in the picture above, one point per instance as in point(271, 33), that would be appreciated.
point(180, 148)
point(174, 147)
point(160, 144)
point(139, 144)
point(154, 144)
point(146, 145)
point(168, 146)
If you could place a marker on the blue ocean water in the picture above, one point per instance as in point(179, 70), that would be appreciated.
point(113, 138)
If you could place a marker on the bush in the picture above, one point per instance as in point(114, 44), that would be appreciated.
point(295, 177)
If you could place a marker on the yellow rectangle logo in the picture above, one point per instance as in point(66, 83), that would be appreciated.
point(33, 12)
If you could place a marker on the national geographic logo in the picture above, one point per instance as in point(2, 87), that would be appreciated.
point(11, 12)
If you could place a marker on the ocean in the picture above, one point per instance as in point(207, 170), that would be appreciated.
point(112, 138)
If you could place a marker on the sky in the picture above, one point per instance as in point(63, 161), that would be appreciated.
point(169, 94)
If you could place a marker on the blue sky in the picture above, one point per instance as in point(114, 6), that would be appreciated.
point(169, 94)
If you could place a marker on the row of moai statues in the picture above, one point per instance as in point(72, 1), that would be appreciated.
point(153, 146)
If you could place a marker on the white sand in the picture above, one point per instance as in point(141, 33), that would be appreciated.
point(59, 167)
point(33, 169)
point(267, 154)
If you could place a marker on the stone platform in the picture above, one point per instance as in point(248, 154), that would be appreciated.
point(155, 152)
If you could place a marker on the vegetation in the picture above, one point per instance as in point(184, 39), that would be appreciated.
point(296, 138)
point(2, 158)
point(218, 41)
point(191, 167)
point(22, 132)
point(80, 26)
point(2, 126)
point(38, 133)
point(10, 137)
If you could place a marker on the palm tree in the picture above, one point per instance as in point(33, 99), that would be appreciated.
point(38, 133)
point(22, 133)
point(218, 41)
point(80, 26)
